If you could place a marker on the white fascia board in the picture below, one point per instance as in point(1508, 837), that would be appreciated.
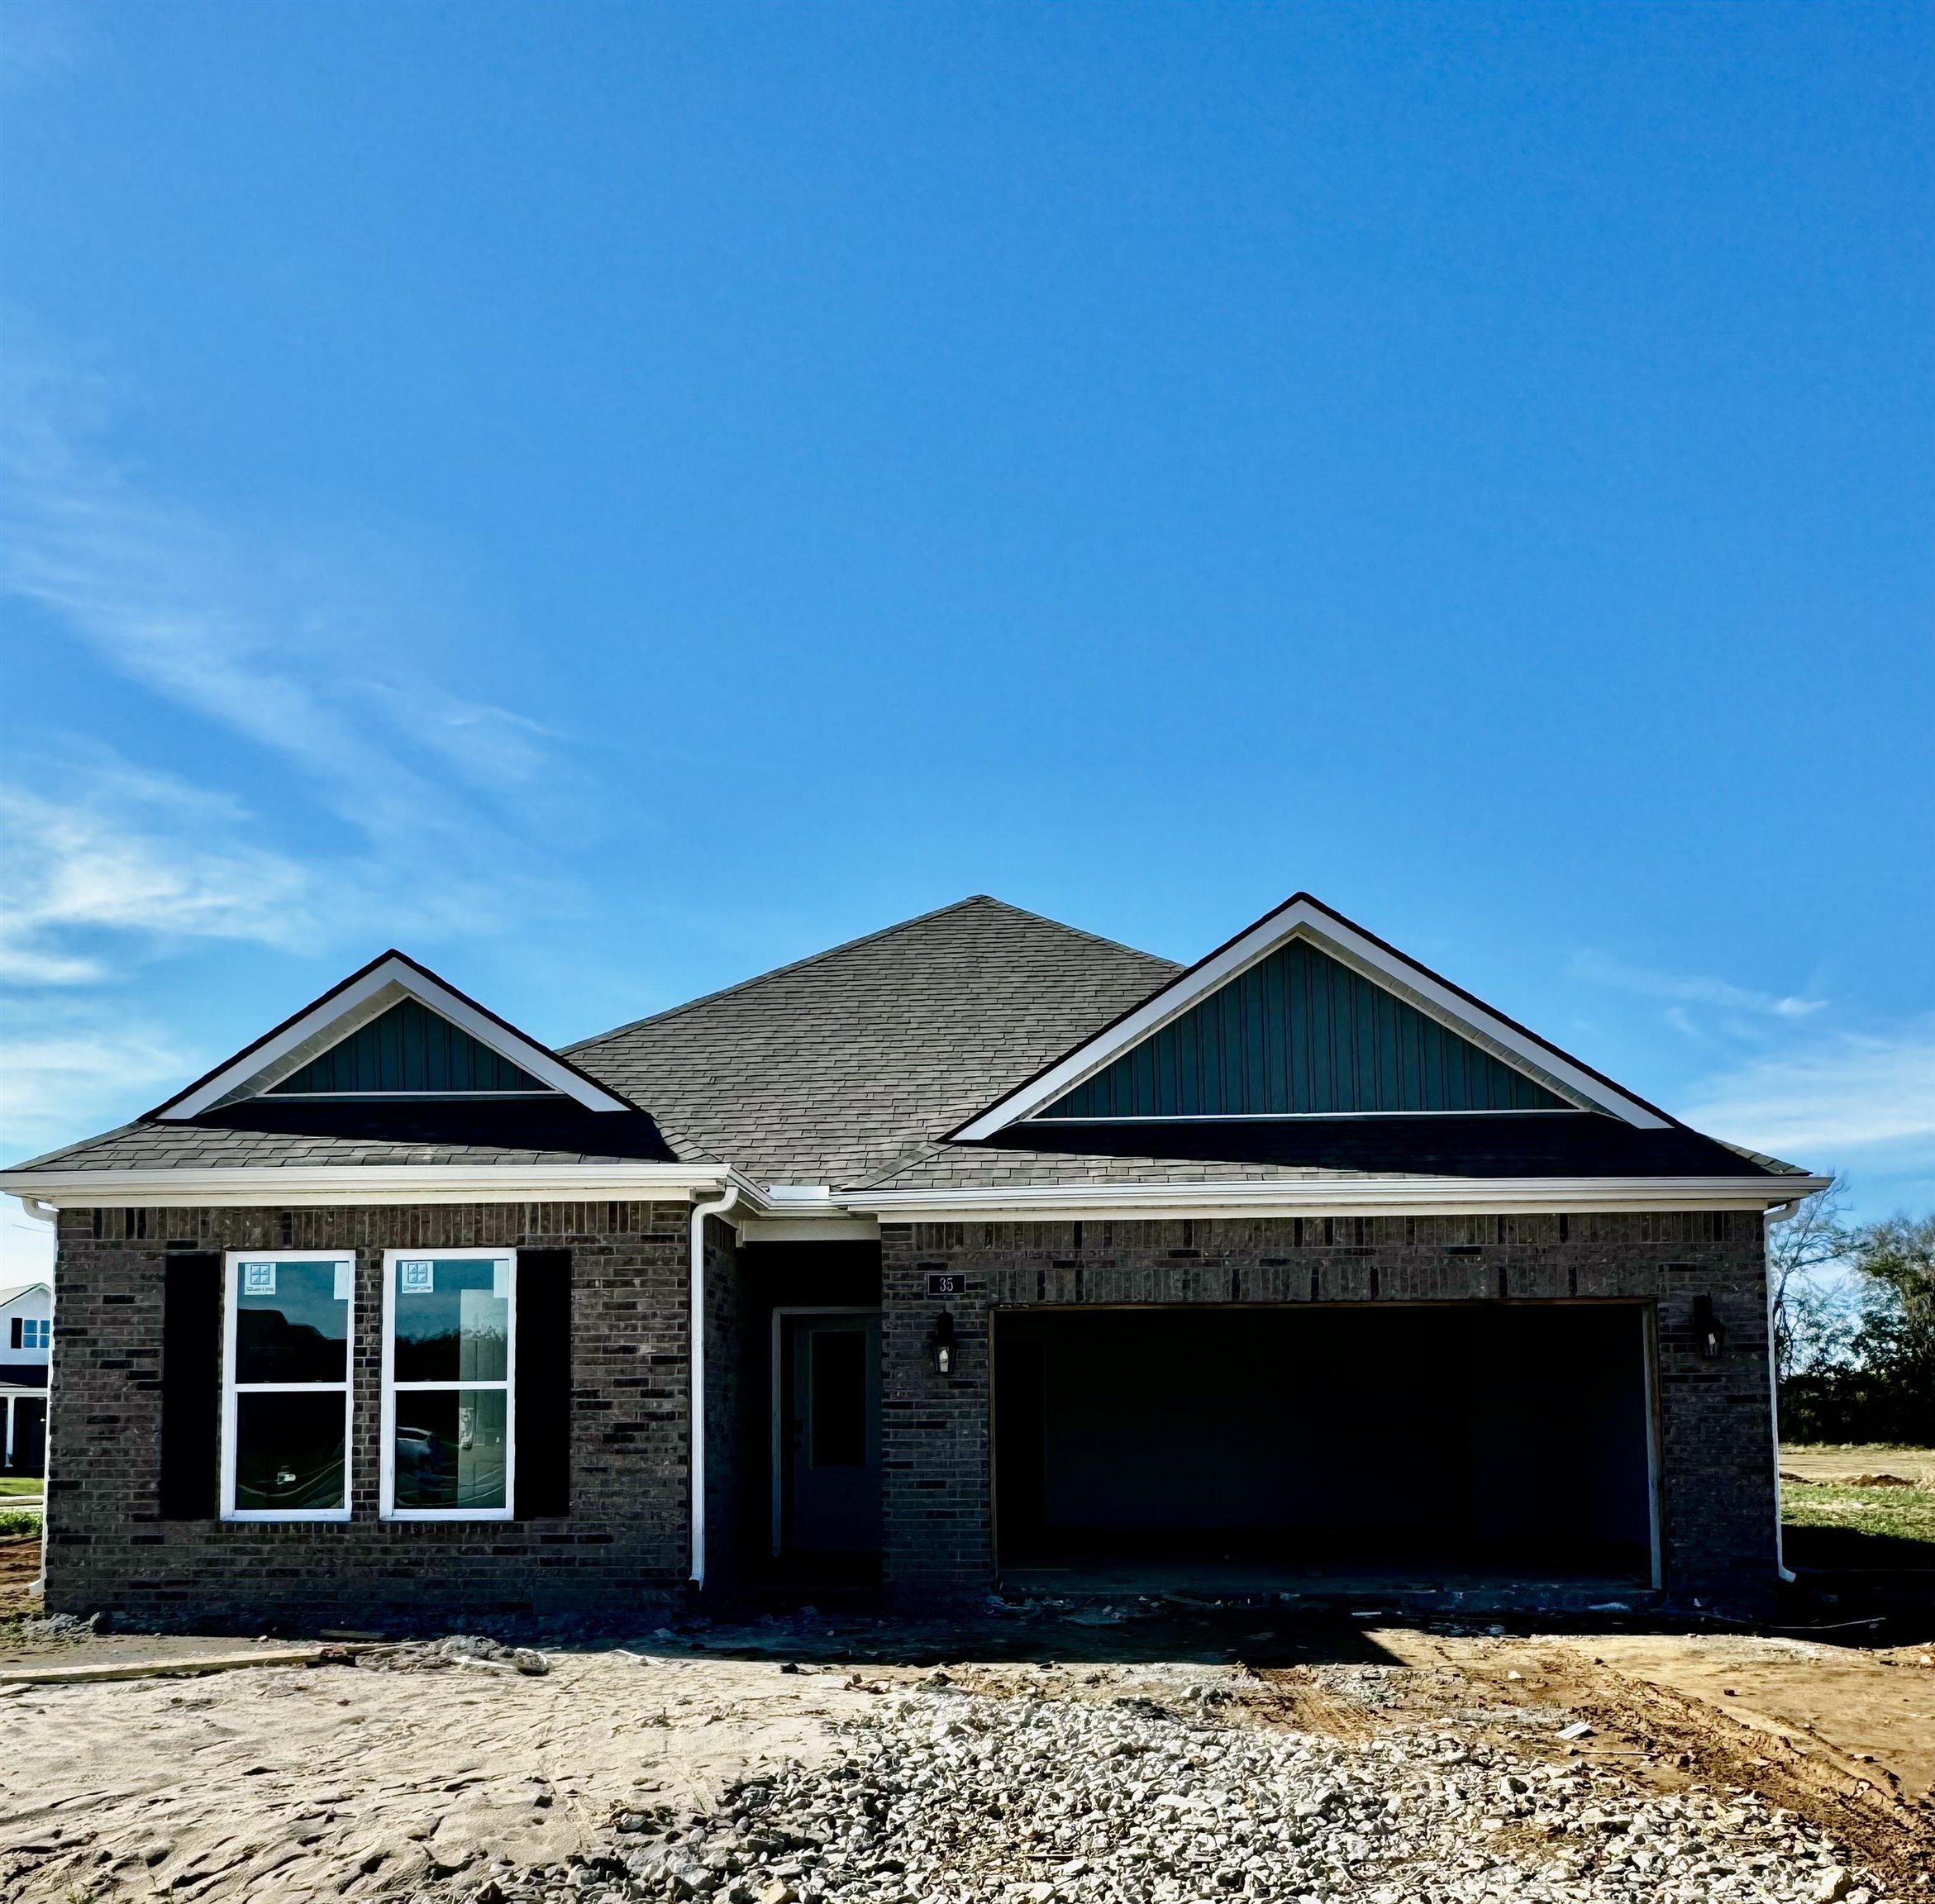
point(389, 979)
point(1300, 919)
point(282, 1187)
point(782, 1228)
point(1387, 1196)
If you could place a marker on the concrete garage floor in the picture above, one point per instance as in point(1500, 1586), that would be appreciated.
point(1442, 1589)
point(359, 1781)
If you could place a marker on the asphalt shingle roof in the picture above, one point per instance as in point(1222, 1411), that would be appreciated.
point(847, 1065)
point(848, 1068)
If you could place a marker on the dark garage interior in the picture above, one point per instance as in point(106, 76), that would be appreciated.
point(1420, 1443)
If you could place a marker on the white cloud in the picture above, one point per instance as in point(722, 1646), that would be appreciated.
point(1684, 989)
point(134, 853)
point(1830, 1098)
point(291, 653)
point(63, 1078)
point(295, 655)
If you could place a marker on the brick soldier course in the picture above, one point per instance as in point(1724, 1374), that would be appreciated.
point(979, 1097)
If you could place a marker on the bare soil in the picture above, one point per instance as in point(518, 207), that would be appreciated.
point(359, 1781)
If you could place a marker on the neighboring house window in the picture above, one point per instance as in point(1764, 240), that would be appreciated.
point(32, 1332)
point(450, 1357)
point(285, 1391)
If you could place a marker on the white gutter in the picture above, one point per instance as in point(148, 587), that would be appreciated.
point(282, 1185)
point(1395, 1196)
point(695, 1363)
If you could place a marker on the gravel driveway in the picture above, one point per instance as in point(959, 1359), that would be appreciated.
point(943, 1794)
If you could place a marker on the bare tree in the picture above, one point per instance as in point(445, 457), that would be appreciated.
point(1813, 1313)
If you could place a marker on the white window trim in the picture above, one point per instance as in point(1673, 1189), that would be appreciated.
point(232, 1272)
point(388, 1507)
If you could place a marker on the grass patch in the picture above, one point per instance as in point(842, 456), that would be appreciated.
point(1831, 1526)
point(21, 1484)
point(19, 1520)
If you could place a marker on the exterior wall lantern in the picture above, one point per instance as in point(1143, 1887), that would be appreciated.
point(1709, 1331)
point(944, 1345)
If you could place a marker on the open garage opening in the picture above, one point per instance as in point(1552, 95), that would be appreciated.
point(1426, 1445)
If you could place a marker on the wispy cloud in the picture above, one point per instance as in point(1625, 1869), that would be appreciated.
point(1829, 1097)
point(41, 44)
point(295, 657)
point(1683, 989)
point(246, 631)
point(141, 853)
point(64, 1079)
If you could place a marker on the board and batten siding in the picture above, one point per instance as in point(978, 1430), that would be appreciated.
point(408, 1048)
point(1300, 1032)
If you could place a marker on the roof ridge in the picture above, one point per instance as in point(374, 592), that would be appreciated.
point(852, 945)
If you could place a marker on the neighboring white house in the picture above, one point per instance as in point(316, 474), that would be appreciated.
point(26, 1342)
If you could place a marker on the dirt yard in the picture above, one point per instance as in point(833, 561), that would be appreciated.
point(1741, 1767)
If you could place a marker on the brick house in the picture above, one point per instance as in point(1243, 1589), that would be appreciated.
point(977, 1252)
point(26, 1327)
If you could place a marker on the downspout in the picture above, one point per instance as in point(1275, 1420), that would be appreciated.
point(695, 1325)
point(1780, 1214)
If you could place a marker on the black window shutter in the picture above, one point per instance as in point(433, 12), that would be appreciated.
point(191, 1388)
point(19, 1331)
point(544, 1383)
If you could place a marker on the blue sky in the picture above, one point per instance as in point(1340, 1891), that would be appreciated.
point(611, 498)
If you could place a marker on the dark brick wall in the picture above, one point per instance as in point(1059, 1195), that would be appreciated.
point(624, 1542)
point(1713, 1418)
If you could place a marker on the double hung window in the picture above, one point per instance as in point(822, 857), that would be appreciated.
point(285, 1393)
point(450, 1358)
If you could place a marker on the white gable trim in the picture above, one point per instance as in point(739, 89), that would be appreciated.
point(338, 1013)
point(1303, 917)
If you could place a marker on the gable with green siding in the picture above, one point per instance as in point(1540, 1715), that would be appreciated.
point(1300, 1033)
point(408, 1048)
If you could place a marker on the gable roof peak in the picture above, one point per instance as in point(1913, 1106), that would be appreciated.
point(369, 991)
point(1304, 916)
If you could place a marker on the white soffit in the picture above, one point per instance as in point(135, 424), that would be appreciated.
point(360, 997)
point(1307, 918)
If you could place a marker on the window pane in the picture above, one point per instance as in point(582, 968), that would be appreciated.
point(453, 1320)
point(839, 1416)
point(289, 1451)
point(292, 1321)
point(451, 1448)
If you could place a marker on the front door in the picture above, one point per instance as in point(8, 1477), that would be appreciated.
point(831, 1411)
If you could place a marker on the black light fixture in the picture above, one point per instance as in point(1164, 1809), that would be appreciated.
point(1709, 1333)
point(944, 1345)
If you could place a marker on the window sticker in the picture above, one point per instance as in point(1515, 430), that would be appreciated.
point(500, 1280)
point(258, 1279)
point(417, 1279)
point(346, 1281)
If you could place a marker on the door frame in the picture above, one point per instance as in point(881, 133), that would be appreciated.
point(780, 1450)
